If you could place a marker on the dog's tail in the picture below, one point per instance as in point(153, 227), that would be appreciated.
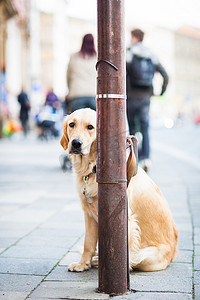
point(151, 258)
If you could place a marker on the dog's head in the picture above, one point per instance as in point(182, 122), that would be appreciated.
point(79, 132)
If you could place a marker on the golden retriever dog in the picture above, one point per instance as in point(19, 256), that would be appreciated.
point(153, 234)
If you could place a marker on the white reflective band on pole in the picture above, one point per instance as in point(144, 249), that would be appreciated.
point(112, 96)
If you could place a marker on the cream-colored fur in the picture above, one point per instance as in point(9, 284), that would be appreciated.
point(153, 234)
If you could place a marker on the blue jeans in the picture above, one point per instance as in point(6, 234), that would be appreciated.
point(138, 119)
point(81, 102)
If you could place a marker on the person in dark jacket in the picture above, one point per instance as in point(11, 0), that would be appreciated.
point(24, 110)
point(140, 89)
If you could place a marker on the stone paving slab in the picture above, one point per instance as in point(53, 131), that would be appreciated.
point(196, 221)
point(78, 247)
point(42, 204)
point(61, 274)
point(184, 256)
point(197, 277)
point(18, 283)
point(154, 296)
point(197, 249)
point(7, 208)
point(197, 292)
point(64, 225)
point(67, 290)
point(68, 217)
point(6, 242)
point(53, 232)
point(17, 226)
point(12, 295)
point(176, 278)
point(197, 236)
point(13, 233)
point(17, 197)
point(142, 296)
point(44, 298)
point(26, 266)
point(70, 257)
point(197, 263)
point(27, 215)
point(81, 290)
point(183, 220)
point(35, 252)
point(47, 241)
point(185, 240)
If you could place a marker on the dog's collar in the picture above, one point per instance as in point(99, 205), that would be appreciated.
point(86, 178)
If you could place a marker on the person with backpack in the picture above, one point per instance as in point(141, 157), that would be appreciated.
point(141, 65)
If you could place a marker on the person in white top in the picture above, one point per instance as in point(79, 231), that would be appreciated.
point(81, 76)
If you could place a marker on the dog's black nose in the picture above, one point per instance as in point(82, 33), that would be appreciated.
point(76, 144)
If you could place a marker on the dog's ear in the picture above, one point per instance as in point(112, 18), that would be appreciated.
point(93, 147)
point(64, 142)
point(132, 162)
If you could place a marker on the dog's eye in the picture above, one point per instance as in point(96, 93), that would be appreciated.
point(90, 127)
point(72, 124)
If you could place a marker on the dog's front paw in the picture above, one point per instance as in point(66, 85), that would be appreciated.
point(79, 267)
point(95, 261)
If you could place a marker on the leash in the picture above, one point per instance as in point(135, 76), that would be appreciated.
point(131, 167)
point(93, 210)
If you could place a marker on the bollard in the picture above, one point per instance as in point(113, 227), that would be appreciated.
point(111, 148)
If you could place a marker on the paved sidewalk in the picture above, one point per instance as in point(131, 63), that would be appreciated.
point(42, 226)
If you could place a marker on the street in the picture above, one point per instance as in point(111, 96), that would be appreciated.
point(42, 225)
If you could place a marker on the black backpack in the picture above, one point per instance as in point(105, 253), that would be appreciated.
point(141, 72)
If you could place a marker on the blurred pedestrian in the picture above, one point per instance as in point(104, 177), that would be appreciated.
point(141, 66)
point(24, 110)
point(81, 76)
point(52, 100)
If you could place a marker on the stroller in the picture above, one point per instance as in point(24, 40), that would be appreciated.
point(48, 122)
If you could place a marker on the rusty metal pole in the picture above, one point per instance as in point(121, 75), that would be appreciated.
point(111, 145)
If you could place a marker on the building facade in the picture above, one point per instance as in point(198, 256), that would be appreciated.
point(38, 36)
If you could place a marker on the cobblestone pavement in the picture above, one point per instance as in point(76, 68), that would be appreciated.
point(42, 226)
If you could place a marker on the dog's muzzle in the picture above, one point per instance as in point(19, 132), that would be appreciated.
point(76, 146)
